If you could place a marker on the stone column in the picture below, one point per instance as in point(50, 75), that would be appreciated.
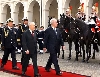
point(65, 5)
point(41, 12)
point(45, 20)
point(14, 14)
point(88, 8)
point(0, 11)
point(3, 17)
point(15, 17)
point(26, 9)
point(30, 16)
point(59, 8)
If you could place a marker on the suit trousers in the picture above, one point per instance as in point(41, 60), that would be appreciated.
point(7, 51)
point(26, 61)
point(53, 59)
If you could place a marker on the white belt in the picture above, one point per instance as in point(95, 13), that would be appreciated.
point(40, 38)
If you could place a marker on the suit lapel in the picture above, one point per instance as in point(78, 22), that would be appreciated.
point(30, 33)
point(53, 31)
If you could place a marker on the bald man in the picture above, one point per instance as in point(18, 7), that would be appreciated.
point(29, 43)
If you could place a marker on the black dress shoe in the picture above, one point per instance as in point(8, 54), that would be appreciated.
point(48, 70)
point(60, 73)
point(23, 73)
point(16, 68)
point(2, 65)
point(38, 75)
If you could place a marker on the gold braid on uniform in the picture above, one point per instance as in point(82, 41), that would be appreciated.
point(22, 29)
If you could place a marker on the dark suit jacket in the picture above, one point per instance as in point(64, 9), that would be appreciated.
point(29, 42)
point(8, 38)
point(52, 41)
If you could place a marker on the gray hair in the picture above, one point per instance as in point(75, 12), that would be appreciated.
point(31, 23)
point(52, 20)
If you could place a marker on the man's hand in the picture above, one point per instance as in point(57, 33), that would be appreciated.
point(44, 49)
point(27, 52)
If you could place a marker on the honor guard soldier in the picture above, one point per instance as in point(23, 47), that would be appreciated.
point(24, 27)
point(8, 44)
point(40, 37)
point(81, 15)
point(19, 45)
point(1, 27)
point(93, 17)
point(94, 14)
point(68, 11)
point(36, 29)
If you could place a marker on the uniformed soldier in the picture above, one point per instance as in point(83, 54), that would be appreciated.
point(40, 37)
point(68, 12)
point(93, 17)
point(1, 27)
point(94, 14)
point(19, 44)
point(9, 44)
point(80, 14)
point(24, 27)
point(36, 29)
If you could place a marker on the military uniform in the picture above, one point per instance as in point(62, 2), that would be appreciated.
point(1, 27)
point(19, 36)
point(80, 14)
point(93, 19)
point(9, 43)
point(24, 27)
point(68, 12)
point(40, 37)
point(93, 16)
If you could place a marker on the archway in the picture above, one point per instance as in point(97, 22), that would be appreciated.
point(6, 13)
point(53, 9)
point(34, 12)
point(75, 4)
point(19, 10)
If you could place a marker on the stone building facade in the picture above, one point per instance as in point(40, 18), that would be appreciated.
point(39, 10)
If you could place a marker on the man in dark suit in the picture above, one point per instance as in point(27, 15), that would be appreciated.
point(8, 44)
point(29, 43)
point(52, 42)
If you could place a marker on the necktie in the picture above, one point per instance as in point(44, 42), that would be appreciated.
point(55, 31)
point(32, 33)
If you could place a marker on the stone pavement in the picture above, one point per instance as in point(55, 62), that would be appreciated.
point(90, 69)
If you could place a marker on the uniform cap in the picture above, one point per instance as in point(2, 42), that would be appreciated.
point(25, 19)
point(10, 20)
point(1, 23)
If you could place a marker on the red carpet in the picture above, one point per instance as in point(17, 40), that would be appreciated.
point(29, 73)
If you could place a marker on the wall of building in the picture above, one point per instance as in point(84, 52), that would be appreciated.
point(38, 11)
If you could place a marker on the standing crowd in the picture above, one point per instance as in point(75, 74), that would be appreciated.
point(24, 38)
